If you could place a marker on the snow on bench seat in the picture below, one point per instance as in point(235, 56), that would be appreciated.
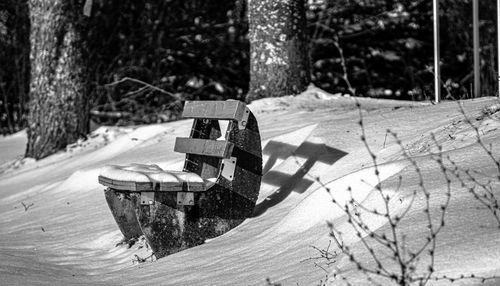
point(142, 177)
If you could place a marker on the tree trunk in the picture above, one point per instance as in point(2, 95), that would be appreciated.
point(279, 58)
point(59, 105)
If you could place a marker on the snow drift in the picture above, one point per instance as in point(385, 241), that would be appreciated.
point(56, 228)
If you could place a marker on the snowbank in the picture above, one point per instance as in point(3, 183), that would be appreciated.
point(56, 228)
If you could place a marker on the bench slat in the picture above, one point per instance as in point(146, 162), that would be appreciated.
point(223, 110)
point(185, 184)
point(125, 185)
point(214, 148)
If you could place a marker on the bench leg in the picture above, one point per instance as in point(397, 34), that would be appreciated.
point(122, 206)
point(170, 228)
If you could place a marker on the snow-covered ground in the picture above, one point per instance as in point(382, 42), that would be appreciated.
point(56, 229)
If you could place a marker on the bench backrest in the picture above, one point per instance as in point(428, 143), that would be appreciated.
point(221, 110)
point(211, 158)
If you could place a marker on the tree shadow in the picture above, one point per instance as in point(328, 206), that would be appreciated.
point(286, 183)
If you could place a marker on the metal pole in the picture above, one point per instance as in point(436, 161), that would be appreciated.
point(475, 28)
point(437, 69)
point(498, 45)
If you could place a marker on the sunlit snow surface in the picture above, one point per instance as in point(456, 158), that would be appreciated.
point(64, 233)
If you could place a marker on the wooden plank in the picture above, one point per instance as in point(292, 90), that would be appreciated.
point(182, 187)
point(125, 185)
point(247, 177)
point(205, 166)
point(213, 148)
point(130, 186)
point(123, 209)
point(223, 110)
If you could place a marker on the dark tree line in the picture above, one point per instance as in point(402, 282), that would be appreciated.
point(14, 64)
point(387, 48)
point(188, 49)
point(135, 62)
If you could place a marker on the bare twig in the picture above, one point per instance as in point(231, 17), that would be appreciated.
point(393, 242)
point(145, 84)
point(139, 259)
point(111, 114)
point(483, 191)
point(326, 257)
point(27, 206)
point(345, 76)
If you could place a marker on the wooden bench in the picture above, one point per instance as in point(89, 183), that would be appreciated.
point(216, 190)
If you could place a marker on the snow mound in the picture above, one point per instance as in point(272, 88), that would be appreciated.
point(318, 208)
point(140, 136)
point(80, 181)
point(56, 228)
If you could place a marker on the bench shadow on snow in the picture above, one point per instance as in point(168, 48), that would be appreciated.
point(298, 182)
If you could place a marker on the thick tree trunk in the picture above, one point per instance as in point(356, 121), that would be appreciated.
point(58, 110)
point(279, 58)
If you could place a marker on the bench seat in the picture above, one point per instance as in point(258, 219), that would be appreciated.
point(144, 178)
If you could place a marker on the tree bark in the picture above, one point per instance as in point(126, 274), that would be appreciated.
point(59, 105)
point(279, 58)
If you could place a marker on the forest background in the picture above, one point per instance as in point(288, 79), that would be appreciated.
point(196, 49)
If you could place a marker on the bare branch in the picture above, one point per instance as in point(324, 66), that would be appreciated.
point(145, 84)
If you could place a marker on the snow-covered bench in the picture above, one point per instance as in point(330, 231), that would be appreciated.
point(214, 193)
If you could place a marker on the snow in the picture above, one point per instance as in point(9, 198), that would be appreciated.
point(317, 207)
point(131, 173)
point(152, 173)
point(311, 142)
